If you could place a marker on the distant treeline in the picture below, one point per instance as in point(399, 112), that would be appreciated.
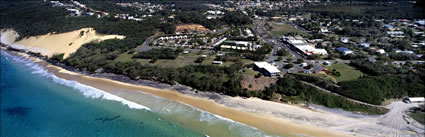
point(164, 53)
point(368, 10)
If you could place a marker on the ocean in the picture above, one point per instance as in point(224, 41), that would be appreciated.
point(36, 103)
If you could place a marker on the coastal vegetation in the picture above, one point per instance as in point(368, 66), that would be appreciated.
point(292, 90)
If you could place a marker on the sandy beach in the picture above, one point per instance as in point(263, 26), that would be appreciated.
point(269, 116)
point(50, 44)
point(263, 122)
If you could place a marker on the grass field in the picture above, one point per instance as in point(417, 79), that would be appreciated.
point(283, 28)
point(418, 116)
point(347, 72)
point(180, 61)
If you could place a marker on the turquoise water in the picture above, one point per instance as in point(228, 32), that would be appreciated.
point(35, 103)
point(35, 106)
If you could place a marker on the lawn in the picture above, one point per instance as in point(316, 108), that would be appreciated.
point(283, 28)
point(347, 72)
point(249, 71)
point(180, 61)
point(418, 116)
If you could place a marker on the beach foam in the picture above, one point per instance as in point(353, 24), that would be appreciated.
point(87, 91)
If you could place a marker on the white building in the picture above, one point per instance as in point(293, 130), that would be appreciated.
point(414, 100)
point(249, 32)
point(266, 68)
point(344, 40)
point(380, 51)
point(304, 47)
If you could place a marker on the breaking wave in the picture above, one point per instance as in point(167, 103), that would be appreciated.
point(166, 106)
point(87, 91)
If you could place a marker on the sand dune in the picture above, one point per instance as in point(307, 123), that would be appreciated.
point(50, 44)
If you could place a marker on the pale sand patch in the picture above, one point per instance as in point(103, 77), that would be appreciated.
point(68, 42)
point(8, 37)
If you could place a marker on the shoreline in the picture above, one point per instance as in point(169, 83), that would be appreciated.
point(204, 101)
point(268, 116)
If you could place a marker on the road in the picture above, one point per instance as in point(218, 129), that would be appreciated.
point(145, 45)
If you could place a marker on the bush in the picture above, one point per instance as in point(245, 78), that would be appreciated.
point(300, 60)
point(288, 66)
point(199, 59)
point(58, 57)
point(164, 53)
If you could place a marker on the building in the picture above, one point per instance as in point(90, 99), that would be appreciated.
point(414, 100)
point(364, 45)
point(389, 27)
point(266, 68)
point(217, 62)
point(304, 47)
point(344, 51)
point(396, 34)
point(344, 40)
point(380, 51)
point(404, 52)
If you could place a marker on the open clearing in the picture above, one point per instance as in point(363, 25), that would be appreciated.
point(347, 72)
point(180, 61)
point(284, 28)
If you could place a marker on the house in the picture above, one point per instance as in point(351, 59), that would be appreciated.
point(344, 40)
point(249, 32)
point(397, 34)
point(344, 51)
point(404, 52)
point(389, 27)
point(324, 30)
point(266, 68)
point(380, 51)
point(364, 45)
point(217, 62)
point(420, 22)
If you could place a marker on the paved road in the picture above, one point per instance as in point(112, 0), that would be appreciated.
point(145, 45)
